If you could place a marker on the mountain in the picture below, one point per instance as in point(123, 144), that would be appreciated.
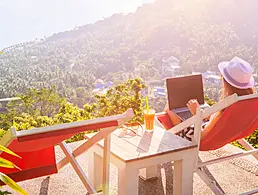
point(200, 33)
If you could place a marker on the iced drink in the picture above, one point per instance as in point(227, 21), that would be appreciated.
point(149, 119)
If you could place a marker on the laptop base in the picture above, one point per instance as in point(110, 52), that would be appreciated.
point(184, 113)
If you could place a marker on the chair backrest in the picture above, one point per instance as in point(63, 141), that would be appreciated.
point(36, 146)
point(32, 164)
point(37, 150)
point(237, 121)
point(44, 138)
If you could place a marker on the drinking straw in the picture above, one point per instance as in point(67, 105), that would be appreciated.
point(147, 104)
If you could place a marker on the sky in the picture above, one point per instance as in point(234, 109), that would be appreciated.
point(25, 20)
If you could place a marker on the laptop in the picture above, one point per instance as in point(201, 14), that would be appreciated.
point(182, 89)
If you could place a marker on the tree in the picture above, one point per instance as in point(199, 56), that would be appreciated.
point(80, 92)
point(40, 108)
point(122, 97)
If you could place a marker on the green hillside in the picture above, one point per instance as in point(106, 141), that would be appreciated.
point(200, 33)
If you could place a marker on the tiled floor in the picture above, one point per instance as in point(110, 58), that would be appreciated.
point(232, 178)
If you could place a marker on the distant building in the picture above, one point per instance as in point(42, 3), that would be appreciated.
point(170, 66)
point(160, 92)
point(99, 84)
point(154, 82)
point(209, 77)
point(207, 73)
point(109, 84)
point(196, 73)
point(101, 87)
point(155, 87)
point(156, 91)
point(99, 91)
point(139, 69)
point(170, 60)
point(213, 80)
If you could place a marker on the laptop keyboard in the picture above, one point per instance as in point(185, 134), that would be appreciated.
point(184, 115)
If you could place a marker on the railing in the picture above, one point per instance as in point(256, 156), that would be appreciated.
point(4, 109)
point(9, 99)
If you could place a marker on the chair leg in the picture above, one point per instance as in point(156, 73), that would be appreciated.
point(248, 146)
point(106, 164)
point(205, 174)
point(95, 170)
point(250, 192)
point(77, 168)
point(86, 145)
point(210, 181)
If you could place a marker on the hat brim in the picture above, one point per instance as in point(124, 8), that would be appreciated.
point(222, 66)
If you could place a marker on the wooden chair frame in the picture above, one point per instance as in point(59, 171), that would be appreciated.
point(70, 157)
point(197, 119)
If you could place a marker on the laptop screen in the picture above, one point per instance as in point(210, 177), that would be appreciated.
point(182, 89)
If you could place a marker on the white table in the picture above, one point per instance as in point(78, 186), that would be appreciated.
point(144, 152)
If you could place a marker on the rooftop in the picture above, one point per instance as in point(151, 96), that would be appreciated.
point(235, 176)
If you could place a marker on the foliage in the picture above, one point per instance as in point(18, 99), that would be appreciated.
point(115, 48)
point(42, 102)
point(208, 100)
point(158, 103)
point(122, 97)
point(70, 113)
point(35, 108)
point(44, 107)
point(213, 92)
point(4, 178)
point(4, 192)
point(118, 48)
point(253, 139)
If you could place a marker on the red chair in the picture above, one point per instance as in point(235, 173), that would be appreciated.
point(239, 120)
point(36, 147)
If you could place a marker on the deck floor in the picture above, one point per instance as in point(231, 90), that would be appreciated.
point(232, 178)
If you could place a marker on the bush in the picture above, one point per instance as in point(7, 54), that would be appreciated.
point(44, 107)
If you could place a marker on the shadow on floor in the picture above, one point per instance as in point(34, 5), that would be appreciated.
point(44, 186)
point(154, 187)
point(149, 187)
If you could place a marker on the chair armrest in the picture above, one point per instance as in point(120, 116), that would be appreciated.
point(220, 106)
point(181, 126)
point(67, 128)
point(162, 119)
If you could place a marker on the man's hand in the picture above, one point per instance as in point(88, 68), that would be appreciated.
point(193, 105)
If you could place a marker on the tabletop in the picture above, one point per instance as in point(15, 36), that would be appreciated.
point(145, 144)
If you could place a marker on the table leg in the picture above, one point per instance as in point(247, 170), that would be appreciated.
point(183, 177)
point(128, 181)
point(95, 170)
point(149, 172)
